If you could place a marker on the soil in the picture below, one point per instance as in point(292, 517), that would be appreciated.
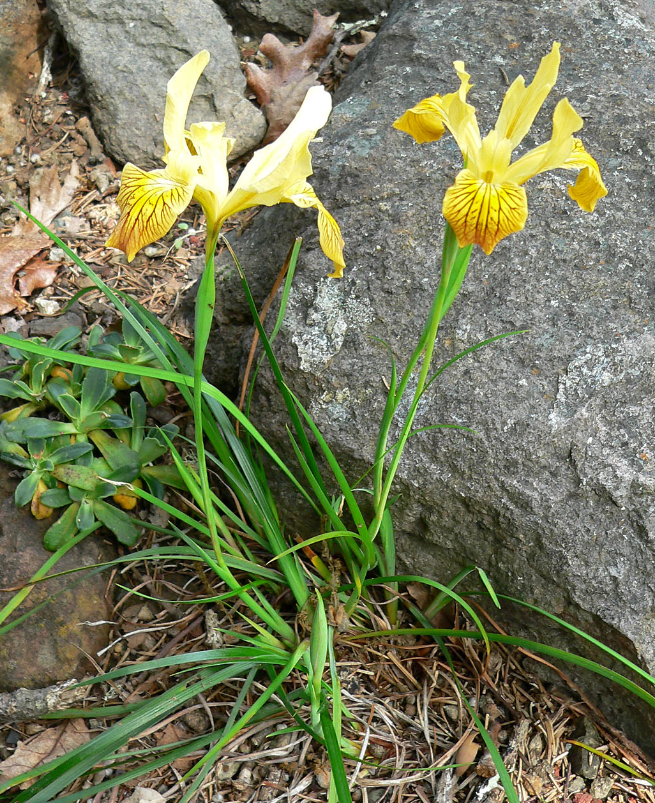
point(400, 693)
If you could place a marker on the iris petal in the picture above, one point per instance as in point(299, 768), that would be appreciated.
point(521, 104)
point(589, 186)
point(149, 202)
point(329, 233)
point(424, 121)
point(484, 213)
point(179, 91)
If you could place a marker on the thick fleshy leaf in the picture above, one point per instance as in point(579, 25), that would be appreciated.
point(150, 203)
point(37, 428)
point(116, 453)
point(484, 213)
point(26, 489)
point(56, 497)
point(82, 477)
point(62, 530)
point(117, 521)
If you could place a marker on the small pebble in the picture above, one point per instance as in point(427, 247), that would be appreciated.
point(246, 39)
point(576, 785)
point(601, 788)
point(154, 251)
point(145, 614)
point(11, 169)
point(35, 158)
point(451, 712)
point(12, 324)
point(57, 255)
point(46, 306)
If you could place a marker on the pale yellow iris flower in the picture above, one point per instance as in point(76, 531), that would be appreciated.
point(196, 168)
point(487, 201)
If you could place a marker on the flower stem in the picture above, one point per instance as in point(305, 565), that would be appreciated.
point(382, 484)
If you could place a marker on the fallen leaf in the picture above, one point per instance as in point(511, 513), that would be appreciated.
point(15, 251)
point(47, 196)
point(45, 746)
point(144, 795)
point(36, 274)
point(47, 199)
point(466, 754)
point(176, 732)
point(352, 50)
point(281, 90)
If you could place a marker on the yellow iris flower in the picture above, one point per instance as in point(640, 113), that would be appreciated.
point(487, 201)
point(196, 168)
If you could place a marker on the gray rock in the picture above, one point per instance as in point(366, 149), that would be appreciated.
point(51, 644)
point(295, 16)
point(553, 496)
point(127, 53)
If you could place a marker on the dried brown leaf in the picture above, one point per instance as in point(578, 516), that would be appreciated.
point(281, 90)
point(352, 50)
point(466, 754)
point(172, 733)
point(36, 274)
point(48, 197)
point(16, 251)
point(45, 746)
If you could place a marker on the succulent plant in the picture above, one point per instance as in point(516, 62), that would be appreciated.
point(92, 456)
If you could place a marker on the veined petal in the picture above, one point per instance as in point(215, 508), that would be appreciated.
point(484, 213)
point(589, 186)
point(329, 233)
point(209, 142)
point(179, 91)
point(149, 203)
point(277, 167)
point(521, 104)
point(552, 154)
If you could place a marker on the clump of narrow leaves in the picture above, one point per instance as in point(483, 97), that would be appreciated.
point(77, 445)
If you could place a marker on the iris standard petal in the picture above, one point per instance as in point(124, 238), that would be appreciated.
point(209, 142)
point(589, 187)
point(521, 104)
point(552, 154)
point(274, 169)
point(329, 233)
point(179, 91)
point(149, 202)
point(484, 213)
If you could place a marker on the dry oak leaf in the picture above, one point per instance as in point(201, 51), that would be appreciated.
point(47, 199)
point(352, 50)
point(281, 90)
point(45, 746)
point(16, 251)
